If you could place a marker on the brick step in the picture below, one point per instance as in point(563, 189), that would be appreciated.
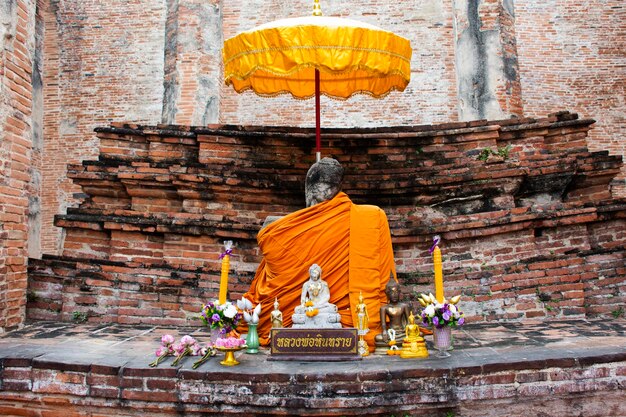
point(528, 223)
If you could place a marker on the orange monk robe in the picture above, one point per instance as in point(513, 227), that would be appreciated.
point(352, 245)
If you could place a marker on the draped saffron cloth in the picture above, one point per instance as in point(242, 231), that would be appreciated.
point(352, 245)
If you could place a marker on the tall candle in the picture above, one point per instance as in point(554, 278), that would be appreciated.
point(225, 257)
point(438, 269)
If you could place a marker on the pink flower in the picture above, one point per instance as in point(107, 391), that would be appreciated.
point(160, 351)
point(167, 339)
point(230, 342)
point(187, 340)
point(179, 348)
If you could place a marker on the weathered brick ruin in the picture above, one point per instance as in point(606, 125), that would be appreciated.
point(531, 211)
point(472, 60)
point(528, 224)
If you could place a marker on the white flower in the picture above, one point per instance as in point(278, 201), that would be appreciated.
point(247, 317)
point(230, 311)
point(244, 304)
point(255, 318)
point(452, 308)
point(429, 310)
point(257, 309)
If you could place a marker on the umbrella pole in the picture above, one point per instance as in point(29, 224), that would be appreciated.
point(318, 136)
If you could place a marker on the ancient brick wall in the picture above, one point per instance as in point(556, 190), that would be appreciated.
point(529, 225)
point(429, 98)
point(540, 386)
point(174, 75)
point(103, 62)
point(97, 62)
point(17, 47)
point(573, 52)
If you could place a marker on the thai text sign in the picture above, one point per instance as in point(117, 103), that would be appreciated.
point(314, 342)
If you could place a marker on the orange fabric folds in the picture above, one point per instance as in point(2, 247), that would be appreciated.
point(321, 234)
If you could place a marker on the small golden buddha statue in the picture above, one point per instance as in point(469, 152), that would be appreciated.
point(413, 345)
point(362, 325)
point(276, 316)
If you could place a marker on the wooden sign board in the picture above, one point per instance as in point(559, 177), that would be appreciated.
point(314, 345)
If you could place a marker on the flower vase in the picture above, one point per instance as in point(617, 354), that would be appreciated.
point(252, 339)
point(214, 335)
point(442, 338)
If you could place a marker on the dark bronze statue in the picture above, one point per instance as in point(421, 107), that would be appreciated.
point(394, 315)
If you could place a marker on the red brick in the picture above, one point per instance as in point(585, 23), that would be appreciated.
point(154, 396)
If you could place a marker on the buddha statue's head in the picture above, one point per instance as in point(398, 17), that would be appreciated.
point(393, 291)
point(315, 272)
point(323, 181)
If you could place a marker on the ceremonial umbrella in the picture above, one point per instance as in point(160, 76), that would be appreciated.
point(314, 55)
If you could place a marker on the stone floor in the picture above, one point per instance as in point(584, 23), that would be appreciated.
point(475, 345)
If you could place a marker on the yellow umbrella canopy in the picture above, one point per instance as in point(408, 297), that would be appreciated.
point(313, 55)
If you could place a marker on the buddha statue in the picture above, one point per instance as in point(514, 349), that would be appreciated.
point(362, 326)
point(314, 310)
point(335, 233)
point(413, 345)
point(394, 315)
point(276, 316)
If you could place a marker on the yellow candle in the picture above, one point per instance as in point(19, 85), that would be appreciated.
point(225, 267)
point(438, 272)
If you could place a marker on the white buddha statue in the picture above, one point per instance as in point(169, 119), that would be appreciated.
point(314, 310)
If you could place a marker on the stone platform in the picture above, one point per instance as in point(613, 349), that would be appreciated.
point(572, 367)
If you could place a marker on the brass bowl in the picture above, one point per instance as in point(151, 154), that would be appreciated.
point(229, 355)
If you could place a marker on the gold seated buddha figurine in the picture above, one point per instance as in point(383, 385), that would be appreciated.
point(413, 345)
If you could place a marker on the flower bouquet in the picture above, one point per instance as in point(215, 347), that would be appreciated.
point(187, 346)
point(166, 349)
point(221, 317)
point(442, 317)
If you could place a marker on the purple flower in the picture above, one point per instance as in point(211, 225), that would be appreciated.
point(446, 315)
point(461, 321)
point(215, 318)
point(435, 321)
